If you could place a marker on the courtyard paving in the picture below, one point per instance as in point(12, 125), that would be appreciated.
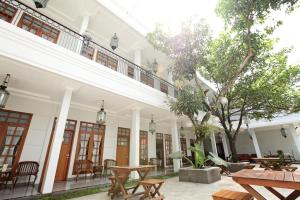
point(175, 190)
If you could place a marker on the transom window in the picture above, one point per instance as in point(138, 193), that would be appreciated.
point(143, 147)
point(13, 130)
point(146, 79)
point(107, 61)
point(91, 142)
point(7, 12)
point(38, 28)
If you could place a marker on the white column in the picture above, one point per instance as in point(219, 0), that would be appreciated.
point(84, 24)
point(296, 140)
point(56, 143)
point(225, 147)
point(213, 143)
point(134, 159)
point(175, 143)
point(255, 143)
point(138, 61)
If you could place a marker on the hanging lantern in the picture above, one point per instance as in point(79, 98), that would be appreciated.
point(283, 132)
point(114, 41)
point(101, 115)
point(40, 3)
point(155, 66)
point(152, 126)
point(4, 94)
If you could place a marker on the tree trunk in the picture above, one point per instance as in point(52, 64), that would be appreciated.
point(234, 156)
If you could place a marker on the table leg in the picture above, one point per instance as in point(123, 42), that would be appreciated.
point(121, 179)
point(253, 192)
point(142, 177)
point(156, 189)
point(294, 195)
point(276, 193)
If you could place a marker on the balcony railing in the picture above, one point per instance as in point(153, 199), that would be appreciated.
point(41, 25)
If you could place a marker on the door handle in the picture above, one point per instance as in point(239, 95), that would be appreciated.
point(68, 155)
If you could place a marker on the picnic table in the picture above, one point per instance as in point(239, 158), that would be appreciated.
point(121, 174)
point(269, 180)
point(269, 163)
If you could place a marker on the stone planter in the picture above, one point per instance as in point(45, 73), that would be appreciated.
point(205, 175)
point(235, 167)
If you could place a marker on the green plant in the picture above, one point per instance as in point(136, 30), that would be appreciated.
point(199, 156)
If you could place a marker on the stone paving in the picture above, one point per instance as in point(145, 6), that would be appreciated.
point(175, 190)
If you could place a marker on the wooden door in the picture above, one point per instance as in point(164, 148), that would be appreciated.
point(168, 149)
point(65, 151)
point(143, 147)
point(123, 145)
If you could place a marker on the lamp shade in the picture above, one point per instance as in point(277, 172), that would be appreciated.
point(223, 100)
point(40, 3)
point(101, 115)
point(114, 41)
point(152, 126)
point(283, 132)
point(4, 94)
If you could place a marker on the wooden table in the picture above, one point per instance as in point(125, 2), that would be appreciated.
point(268, 163)
point(122, 175)
point(269, 180)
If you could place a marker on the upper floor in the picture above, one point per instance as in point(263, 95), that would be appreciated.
point(91, 25)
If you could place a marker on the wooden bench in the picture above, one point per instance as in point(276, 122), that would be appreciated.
point(231, 195)
point(151, 187)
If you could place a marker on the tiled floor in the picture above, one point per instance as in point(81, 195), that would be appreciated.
point(24, 191)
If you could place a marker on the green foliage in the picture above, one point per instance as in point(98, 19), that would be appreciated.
point(241, 62)
point(199, 156)
point(217, 160)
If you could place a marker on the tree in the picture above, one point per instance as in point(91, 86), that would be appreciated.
point(241, 62)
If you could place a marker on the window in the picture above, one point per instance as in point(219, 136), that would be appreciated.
point(130, 72)
point(183, 145)
point(123, 136)
point(147, 79)
point(13, 131)
point(163, 88)
point(143, 147)
point(90, 142)
point(168, 149)
point(107, 61)
point(38, 28)
point(88, 52)
point(7, 12)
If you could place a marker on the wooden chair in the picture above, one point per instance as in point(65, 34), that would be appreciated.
point(83, 167)
point(224, 169)
point(219, 162)
point(151, 187)
point(231, 195)
point(25, 168)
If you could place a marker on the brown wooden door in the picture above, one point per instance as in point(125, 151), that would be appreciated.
point(160, 148)
point(64, 156)
point(123, 145)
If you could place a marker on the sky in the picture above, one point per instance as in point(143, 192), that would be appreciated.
point(144, 14)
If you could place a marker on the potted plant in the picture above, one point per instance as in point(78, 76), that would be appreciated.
point(198, 172)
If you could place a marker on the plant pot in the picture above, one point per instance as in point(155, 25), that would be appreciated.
point(205, 175)
point(235, 167)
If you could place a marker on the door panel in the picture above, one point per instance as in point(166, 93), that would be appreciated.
point(160, 148)
point(123, 145)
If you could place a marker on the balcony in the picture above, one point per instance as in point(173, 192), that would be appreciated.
point(28, 19)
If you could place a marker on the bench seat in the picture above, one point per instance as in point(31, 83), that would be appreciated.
point(231, 195)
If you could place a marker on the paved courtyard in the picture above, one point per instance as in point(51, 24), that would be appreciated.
point(175, 190)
